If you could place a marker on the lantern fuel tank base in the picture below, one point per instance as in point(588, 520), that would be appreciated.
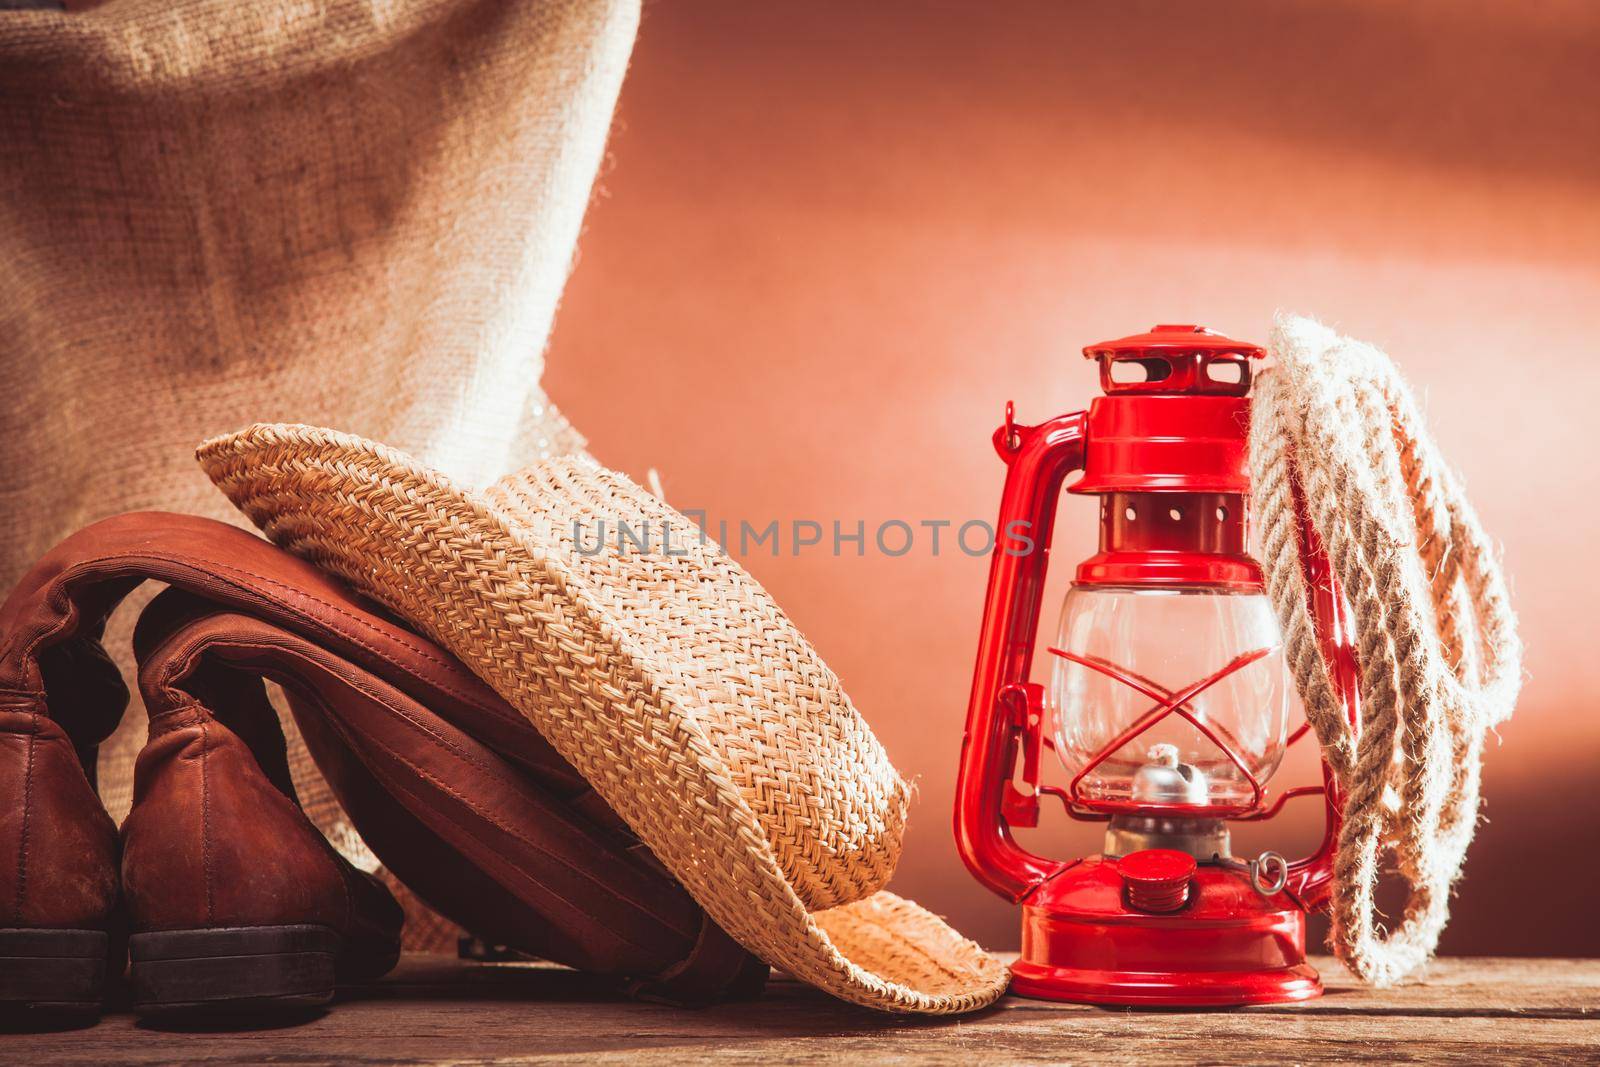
point(1083, 940)
point(1182, 989)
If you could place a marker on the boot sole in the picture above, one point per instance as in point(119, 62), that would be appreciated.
point(53, 971)
point(245, 970)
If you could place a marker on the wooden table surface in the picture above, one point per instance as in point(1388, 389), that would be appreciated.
point(438, 1010)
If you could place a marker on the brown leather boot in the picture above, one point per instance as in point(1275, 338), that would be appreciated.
point(58, 868)
point(234, 899)
point(458, 793)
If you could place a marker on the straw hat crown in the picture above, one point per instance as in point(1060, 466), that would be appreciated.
point(798, 752)
point(660, 669)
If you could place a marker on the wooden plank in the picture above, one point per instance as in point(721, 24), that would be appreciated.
point(434, 1010)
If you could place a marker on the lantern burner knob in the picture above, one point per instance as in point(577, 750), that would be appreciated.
point(1165, 780)
point(1157, 879)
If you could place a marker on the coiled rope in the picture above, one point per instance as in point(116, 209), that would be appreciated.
point(1441, 662)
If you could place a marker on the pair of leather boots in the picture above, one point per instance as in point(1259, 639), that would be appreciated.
point(218, 892)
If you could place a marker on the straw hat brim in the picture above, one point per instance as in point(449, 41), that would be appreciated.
point(765, 843)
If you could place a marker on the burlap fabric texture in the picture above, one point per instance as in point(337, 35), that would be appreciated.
point(359, 212)
point(660, 669)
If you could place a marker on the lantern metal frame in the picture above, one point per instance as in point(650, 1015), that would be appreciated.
point(1181, 431)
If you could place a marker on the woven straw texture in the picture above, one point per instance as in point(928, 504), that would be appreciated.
point(660, 669)
point(359, 212)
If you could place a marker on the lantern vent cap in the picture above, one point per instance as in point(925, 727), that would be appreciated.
point(1185, 337)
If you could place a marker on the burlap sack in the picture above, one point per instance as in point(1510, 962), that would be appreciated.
point(356, 213)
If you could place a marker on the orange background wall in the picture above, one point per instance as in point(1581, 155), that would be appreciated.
point(832, 239)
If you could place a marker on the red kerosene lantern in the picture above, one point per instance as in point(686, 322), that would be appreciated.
point(1169, 702)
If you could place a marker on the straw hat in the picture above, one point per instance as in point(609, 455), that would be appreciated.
point(662, 671)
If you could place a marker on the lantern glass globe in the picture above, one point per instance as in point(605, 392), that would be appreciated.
point(1213, 654)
